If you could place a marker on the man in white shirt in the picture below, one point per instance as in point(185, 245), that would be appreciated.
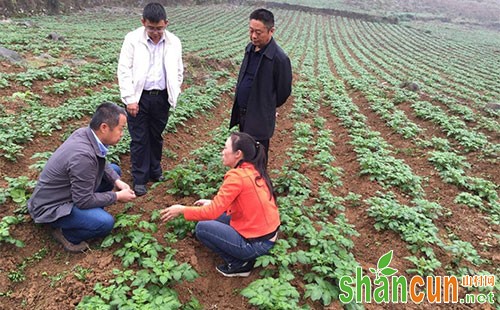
point(150, 74)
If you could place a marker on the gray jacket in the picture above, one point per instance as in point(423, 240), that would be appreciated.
point(71, 177)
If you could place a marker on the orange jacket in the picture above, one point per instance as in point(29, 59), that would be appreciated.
point(253, 211)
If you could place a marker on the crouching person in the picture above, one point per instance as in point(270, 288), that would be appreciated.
point(242, 221)
point(77, 183)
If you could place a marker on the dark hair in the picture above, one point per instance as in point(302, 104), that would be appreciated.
point(154, 12)
point(106, 112)
point(265, 16)
point(254, 153)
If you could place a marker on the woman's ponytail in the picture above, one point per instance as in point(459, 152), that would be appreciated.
point(255, 153)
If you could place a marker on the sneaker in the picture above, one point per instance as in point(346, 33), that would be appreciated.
point(68, 246)
point(140, 190)
point(231, 270)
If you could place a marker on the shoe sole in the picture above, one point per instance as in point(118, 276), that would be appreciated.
point(77, 251)
point(232, 275)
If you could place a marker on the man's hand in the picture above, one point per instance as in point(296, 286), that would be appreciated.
point(171, 212)
point(125, 195)
point(121, 185)
point(133, 109)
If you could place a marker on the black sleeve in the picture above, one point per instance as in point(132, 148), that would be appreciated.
point(283, 79)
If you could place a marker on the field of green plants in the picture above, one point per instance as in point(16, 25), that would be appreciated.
point(387, 143)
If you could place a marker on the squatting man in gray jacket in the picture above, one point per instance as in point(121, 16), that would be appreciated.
point(77, 183)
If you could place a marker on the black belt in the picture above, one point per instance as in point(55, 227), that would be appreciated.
point(265, 237)
point(153, 92)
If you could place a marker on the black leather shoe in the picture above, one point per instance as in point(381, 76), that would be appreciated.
point(140, 190)
point(158, 179)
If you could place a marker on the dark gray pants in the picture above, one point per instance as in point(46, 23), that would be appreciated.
point(146, 130)
point(265, 142)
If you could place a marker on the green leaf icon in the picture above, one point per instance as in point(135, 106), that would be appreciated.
point(388, 271)
point(373, 270)
point(384, 260)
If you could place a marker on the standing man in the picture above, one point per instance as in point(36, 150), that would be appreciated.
point(76, 183)
point(150, 73)
point(264, 81)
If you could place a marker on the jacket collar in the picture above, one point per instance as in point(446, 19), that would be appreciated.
point(246, 164)
point(93, 142)
point(103, 148)
point(270, 50)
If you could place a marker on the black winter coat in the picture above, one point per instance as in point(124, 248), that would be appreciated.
point(271, 87)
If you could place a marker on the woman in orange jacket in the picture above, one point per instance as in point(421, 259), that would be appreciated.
point(242, 221)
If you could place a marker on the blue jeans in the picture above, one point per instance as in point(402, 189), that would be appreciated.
point(84, 224)
point(224, 240)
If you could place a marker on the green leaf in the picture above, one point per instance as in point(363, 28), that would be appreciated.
point(128, 260)
point(327, 299)
point(316, 293)
point(302, 257)
point(373, 270)
point(177, 275)
point(19, 243)
point(164, 279)
point(385, 260)
point(108, 241)
point(388, 271)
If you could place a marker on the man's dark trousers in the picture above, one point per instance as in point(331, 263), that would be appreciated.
point(146, 130)
point(264, 142)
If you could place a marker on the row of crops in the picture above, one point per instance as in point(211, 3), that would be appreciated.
point(348, 72)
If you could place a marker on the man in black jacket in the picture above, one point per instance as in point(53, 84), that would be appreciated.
point(264, 81)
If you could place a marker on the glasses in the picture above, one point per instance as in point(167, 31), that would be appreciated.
point(155, 29)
